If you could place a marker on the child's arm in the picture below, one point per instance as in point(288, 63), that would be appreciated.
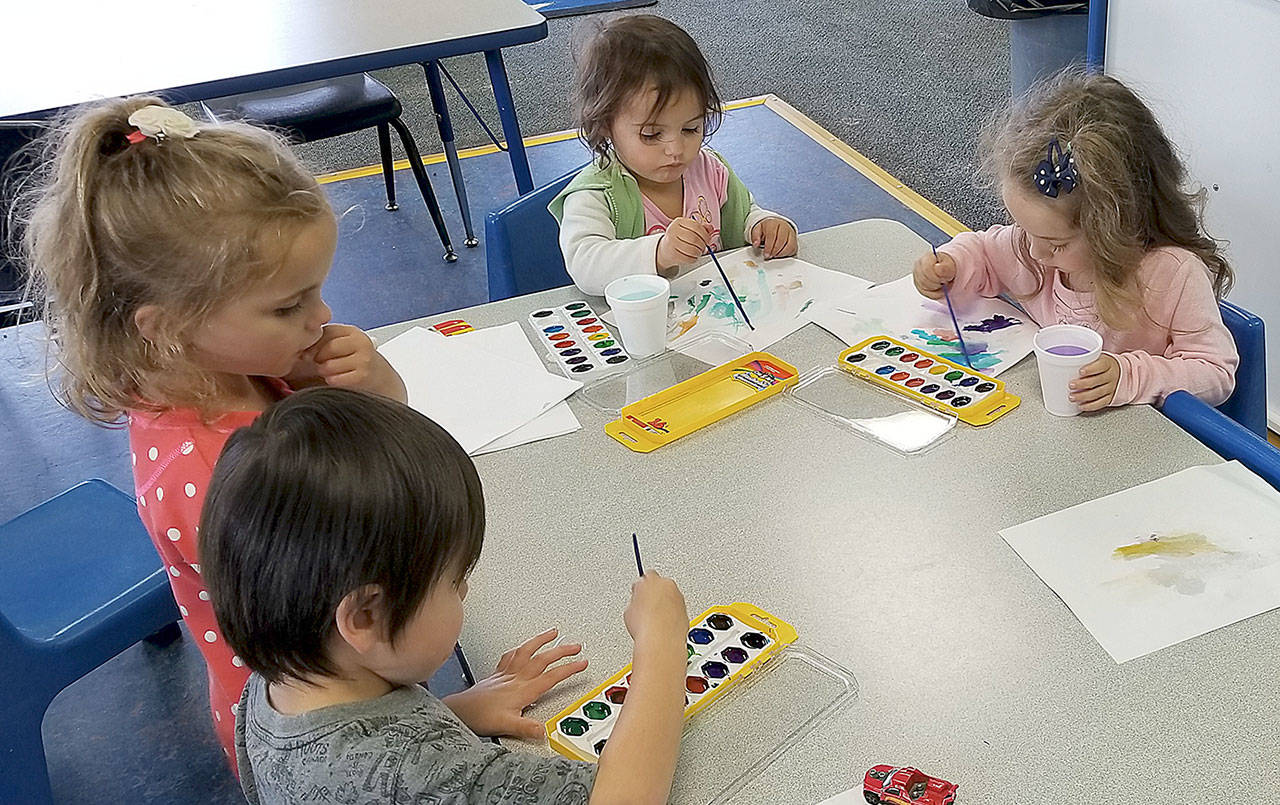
point(639, 761)
point(594, 256)
point(346, 357)
point(1201, 356)
point(980, 263)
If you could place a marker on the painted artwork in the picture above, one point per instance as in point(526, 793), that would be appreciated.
point(996, 334)
point(776, 295)
point(1163, 562)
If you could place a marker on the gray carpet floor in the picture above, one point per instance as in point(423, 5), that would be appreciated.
point(909, 84)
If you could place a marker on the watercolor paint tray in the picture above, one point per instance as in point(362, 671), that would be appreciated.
point(866, 409)
point(975, 398)
point(648, 376)
point(799, 689)
point(578, 341)
point(661, 418)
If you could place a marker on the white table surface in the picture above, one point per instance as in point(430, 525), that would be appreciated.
point(55, 54)
point(968, 666)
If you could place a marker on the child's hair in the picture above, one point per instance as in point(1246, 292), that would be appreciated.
point(1130, 196)
point(632, 54)
point(186, 224)
point(327, 492)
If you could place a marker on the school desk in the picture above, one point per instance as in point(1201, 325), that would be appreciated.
point(191, 50)
point(969, 666)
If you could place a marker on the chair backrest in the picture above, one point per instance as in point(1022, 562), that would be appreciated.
point(1248, 403)
point(1223, 435)
point(522, 244)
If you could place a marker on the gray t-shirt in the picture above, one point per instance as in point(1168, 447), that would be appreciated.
point(404, 747)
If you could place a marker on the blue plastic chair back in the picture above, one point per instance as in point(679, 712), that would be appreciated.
point(1224, 435)
point(79, 583)
point(522, 244)
point(1248, 403)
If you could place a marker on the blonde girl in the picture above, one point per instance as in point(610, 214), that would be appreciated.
point(1104, 235)
point(180, 268)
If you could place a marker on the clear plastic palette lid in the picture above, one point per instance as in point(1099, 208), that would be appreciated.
point(858, 406)
point(610, 394)
point(736, 750)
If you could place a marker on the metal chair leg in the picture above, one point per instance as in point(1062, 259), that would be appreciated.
point(445, 125)
point(424, 186)
point(388, 169)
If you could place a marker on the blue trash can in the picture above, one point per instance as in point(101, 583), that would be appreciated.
point(1044, 36)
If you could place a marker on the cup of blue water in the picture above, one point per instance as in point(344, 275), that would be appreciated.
point(639, 305)
point(1061, 351)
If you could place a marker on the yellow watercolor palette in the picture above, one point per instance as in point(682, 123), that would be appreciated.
point(895, 365)
point(725, 644)
point(661, 418)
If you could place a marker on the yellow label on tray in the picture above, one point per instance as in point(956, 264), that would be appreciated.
point(661, 418)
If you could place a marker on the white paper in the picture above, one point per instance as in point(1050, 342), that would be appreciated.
point(853, 796)
point(1162, 562)
point(996, 334)
point(777, 295)
point(475, 395)
point(509, 341)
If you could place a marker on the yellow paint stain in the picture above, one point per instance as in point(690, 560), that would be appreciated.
point(686, 325)
point(1172, 545)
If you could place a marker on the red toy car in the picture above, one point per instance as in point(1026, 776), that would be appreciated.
point(903, 785)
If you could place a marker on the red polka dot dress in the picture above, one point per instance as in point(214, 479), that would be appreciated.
point(173, 454)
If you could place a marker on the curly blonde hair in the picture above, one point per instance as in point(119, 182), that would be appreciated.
point(1131, 195)
point(183, 224)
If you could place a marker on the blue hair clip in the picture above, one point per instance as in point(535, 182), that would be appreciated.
point(1057, 172)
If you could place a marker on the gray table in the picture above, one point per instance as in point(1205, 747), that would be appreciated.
point(968, 665)
point(53, 56)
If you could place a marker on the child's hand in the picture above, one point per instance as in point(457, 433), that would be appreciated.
point(684, 241)
point(775, 237)
point(494, 705)
point(930, 272)
point(345, 357)
point(1096, 386)
point(656, 617)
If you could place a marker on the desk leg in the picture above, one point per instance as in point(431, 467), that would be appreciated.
point(441, 109)
point(510, 126)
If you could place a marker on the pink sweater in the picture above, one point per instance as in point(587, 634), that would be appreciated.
point(1180, 342)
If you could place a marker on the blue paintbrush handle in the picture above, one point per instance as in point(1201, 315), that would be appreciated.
point(733, 294)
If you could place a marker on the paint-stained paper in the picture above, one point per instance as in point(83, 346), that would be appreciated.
point(777, 295)
point(996, 334)
point(1163, 562)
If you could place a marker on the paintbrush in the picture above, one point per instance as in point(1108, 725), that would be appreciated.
point(635, 543)
point(946, 294)
point(732, 294)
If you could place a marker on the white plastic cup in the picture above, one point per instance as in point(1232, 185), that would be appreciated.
point(639, 305)
point(1061, 351)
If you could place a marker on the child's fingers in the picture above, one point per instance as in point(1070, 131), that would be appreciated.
point(553, 655)
point(555, 675)
point(525, 651)
point(1084, 396)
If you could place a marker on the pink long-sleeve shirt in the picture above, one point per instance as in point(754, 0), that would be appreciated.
point(1178, 342)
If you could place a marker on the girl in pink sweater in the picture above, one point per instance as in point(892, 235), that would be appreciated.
point(1103, 236)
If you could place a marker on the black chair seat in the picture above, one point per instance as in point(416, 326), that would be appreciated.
point(317, 110)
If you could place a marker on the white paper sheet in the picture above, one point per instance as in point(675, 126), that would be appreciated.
point(475, 395)
point(1162, 562)
point(777, 295)
point(996, 334)
point(509, 341)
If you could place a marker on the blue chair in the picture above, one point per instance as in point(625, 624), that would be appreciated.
point(79, 583)
point(1224, 435)
point(1248, 403)
point(522, 246)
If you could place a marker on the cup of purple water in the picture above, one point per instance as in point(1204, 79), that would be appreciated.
point(1061, 351)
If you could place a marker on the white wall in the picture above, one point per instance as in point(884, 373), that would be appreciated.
point(1211, 71)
